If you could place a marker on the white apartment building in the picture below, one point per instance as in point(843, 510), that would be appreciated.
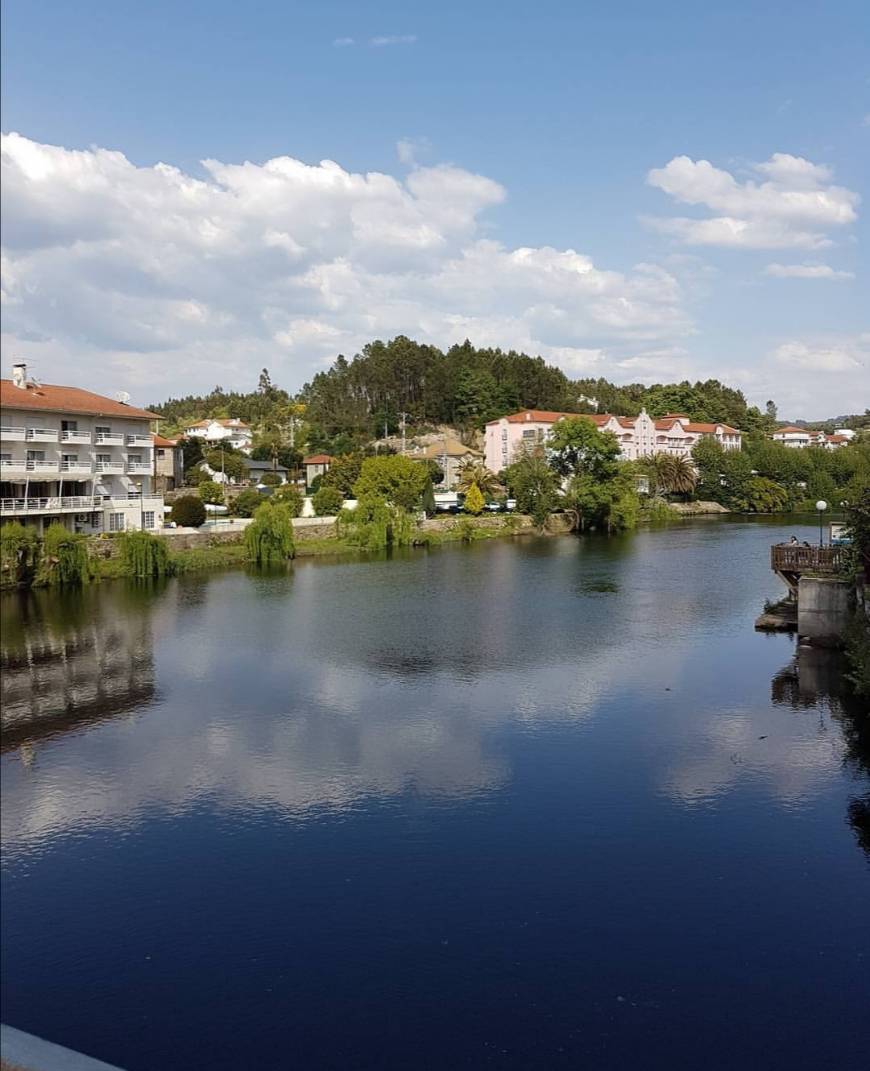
point(76, 457)
point(232, 430)
point(800, 438)
point(638, 436)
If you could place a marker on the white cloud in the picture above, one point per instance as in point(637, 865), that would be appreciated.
point(154, 280)
point(794, 207)
point(846, 356)
point(806, 271)
point(409, 149)
point(393, 39)
point(342, 42)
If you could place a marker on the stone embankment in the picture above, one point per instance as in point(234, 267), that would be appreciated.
point(697, 509)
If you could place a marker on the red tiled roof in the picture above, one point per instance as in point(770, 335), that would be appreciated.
point(548, 416)
point(837, 438)
point(790, 428)
point(317, 459)
point(48, 397)
point(159, 440)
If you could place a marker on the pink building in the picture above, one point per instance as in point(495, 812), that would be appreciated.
point(637, 436)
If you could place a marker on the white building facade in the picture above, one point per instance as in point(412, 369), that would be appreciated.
point(640, 436)
point(76, 457)
point(800, 438)
point(231, 430)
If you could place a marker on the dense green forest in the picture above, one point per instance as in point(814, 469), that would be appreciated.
point(359, 399)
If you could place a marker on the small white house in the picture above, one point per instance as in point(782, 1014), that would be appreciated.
point(231, 430)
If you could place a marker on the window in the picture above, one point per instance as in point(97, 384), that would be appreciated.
point(36, 455)
point(116, 522)
point(161, 452)
point(148, 519)
point(69, 425)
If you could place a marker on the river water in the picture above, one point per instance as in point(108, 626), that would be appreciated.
point(532, 804)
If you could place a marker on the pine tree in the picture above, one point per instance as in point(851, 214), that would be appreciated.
point(474, 501)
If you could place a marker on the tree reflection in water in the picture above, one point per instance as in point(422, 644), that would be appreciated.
point(813, 680)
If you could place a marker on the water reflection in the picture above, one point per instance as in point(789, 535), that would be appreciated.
point(815, 680)
point(68, 660)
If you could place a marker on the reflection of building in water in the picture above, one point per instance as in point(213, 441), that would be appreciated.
point(55, 679)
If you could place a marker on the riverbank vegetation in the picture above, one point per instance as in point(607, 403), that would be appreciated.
point(269, 537)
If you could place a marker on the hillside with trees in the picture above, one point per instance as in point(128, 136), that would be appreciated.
point(355, 401)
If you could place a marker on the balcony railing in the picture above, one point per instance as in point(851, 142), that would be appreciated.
point(42, 435)
point(109, 466)
point(75, 437)
point(791, 558)
point(16, 465)
point(139, 440)
point(74, 503)
point(16, 435)
point(102, 438)
point(75, 466)
point(139, 468)
point(42, 466)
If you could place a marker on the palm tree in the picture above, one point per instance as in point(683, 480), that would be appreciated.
point(677, 475)
point(475, 472)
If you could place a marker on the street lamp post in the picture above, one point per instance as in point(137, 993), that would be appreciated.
point(821, 506)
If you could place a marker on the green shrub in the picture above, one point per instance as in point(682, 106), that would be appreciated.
point(211, 493)
point(19, 551)
point(288, 495)
point(327, 501)
point(145, 554)
point(188, 511)
point(244, 504)
point(270, 479)
point(64, 557)
point(269, 540)
point(466, 529)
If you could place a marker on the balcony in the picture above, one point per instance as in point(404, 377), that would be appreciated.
point(83, 437)
point(116, 467)
point(15, 435)
point(102, 438)
point(83, 467)
point(138, 468)
point(42, 466)
point(41, 435)
point(74, 504)
point(139, 440)
point(13, 466)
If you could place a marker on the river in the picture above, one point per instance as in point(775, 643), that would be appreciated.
point(524, 804)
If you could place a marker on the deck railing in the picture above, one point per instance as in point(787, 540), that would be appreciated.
point(789, 558)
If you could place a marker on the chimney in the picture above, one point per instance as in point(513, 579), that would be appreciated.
point(19, 375)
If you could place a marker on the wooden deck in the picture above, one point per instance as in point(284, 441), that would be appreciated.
point(790, 562)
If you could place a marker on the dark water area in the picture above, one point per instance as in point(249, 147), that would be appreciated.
point(531, 804)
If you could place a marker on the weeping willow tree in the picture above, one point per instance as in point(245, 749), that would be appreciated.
point(64, 557)
point(376, 524)
point(19, 553)
point(145, 555)
point(269, 537)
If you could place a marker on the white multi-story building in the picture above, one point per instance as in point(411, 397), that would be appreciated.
point(232, 430)
point(76, 457)
point(799, 438)
point(638, 436)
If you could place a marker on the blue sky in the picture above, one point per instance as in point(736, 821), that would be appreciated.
point(501, 127)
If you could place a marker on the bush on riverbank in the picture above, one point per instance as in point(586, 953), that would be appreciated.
point(145, 555)
point(19, 553)
point(269, 539)
point(64, 557)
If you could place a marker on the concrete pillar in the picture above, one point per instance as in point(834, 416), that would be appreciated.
point(823, 610)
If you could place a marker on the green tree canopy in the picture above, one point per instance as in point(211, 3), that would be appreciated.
point(397, 480)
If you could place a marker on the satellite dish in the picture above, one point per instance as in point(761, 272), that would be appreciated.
point(123, 397)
